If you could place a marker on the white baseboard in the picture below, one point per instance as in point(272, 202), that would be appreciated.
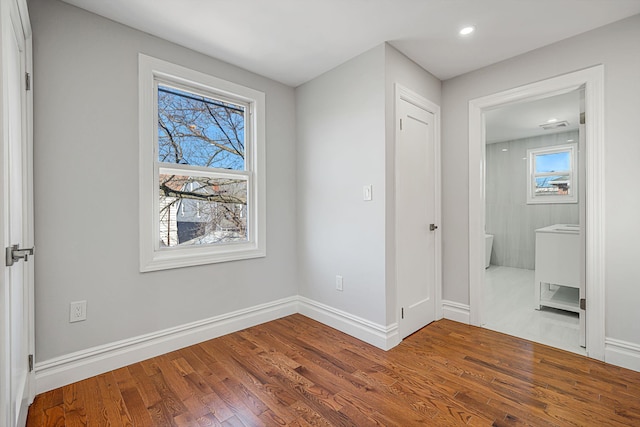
point(622, 353)
point(384, 337)
point(455, 311)
point(60, 371)
point(69, 368)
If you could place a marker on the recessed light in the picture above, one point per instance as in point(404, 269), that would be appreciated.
point(552, 120)
point(505, 149)
point(467, 30)
point(569, 140)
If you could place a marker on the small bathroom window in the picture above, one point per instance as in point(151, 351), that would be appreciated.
point(552, 174)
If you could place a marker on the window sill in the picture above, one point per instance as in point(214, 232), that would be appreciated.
point(187, 257)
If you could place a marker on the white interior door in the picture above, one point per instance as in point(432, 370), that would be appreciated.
point(415, 216)
point(16, 295)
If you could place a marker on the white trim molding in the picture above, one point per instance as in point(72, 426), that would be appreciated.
point(622, 353)
point(384, 337)
point(455, 311)
point(532, 175)
point(592, 81)
point(69, 368)
point(153, 72)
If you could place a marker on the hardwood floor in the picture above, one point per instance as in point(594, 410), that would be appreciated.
point(297, 372)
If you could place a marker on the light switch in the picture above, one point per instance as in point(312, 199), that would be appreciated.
point(367, 194)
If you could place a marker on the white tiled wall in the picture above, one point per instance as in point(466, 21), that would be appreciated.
point(508, 217)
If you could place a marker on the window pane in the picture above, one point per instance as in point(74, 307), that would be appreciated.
point(552, 185)
point(199, 131)
point(202, 211)
point(553, 162)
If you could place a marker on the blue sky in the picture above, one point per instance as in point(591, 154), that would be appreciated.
point(552, 162)
point(192, 129)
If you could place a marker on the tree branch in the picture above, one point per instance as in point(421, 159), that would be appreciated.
point(218, 198)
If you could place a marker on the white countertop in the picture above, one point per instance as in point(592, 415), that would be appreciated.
point(560, 228)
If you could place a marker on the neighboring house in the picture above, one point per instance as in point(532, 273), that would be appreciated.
point(188, 220)
point(560, 185)
point(204, 222)
point(168, 218)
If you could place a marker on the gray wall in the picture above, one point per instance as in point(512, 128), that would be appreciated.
point(86, 197)
point(345, 127)
point(341, 147)
point(615, 46)
point(508, 216)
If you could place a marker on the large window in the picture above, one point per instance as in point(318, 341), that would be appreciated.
point(202, 168)
point(552, 175)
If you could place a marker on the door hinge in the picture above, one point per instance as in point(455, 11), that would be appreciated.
point(583, 304)
point(402, 312)
point(400, 124)
point(31, 363)
point(27, 80)
point(14, 254)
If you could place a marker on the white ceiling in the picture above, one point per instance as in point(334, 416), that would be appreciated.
point(523, 120)
point(294, 41)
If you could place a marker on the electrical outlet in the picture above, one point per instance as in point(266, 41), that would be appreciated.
point(339, 283)
point(77, 311)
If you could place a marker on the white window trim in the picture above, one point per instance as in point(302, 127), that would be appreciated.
point(572, 197)
point(152, 257)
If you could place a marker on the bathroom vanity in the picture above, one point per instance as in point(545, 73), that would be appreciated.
point(557, 269)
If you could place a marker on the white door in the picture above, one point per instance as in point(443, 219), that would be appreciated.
point(415, 217)
point(16, 289)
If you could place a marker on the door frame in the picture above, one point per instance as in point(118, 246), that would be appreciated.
point(403, 93)
point(19, 14)
point(592, 80)
point(28, 190)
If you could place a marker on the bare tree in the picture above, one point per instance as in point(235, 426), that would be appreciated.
point(204, 132)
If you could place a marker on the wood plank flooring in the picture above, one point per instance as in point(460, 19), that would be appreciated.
point(297, 372)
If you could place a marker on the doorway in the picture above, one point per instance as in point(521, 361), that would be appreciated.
point(592, 80)
point(417, 210)
point(534, 212)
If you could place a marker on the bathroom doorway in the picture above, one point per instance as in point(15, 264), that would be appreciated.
point(590, 80)
point(534, 255)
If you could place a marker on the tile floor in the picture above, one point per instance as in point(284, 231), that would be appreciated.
point(509, 308)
